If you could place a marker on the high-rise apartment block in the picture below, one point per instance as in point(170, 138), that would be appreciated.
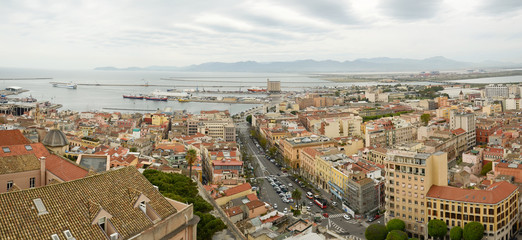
point(409, 176)
point(497, 91)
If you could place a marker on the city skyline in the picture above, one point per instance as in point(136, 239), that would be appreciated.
point(87, 34)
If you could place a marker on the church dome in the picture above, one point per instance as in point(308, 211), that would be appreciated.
point(55, 138)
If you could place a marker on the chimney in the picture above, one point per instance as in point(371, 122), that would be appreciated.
point(42, 172)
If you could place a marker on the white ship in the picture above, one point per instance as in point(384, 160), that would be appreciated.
point(70, 85)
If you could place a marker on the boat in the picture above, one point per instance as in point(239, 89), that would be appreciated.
point(70, 85)
point(256, 89)
point(133, 97)
point(183, 100)
point(156, 98)
point(29, 99)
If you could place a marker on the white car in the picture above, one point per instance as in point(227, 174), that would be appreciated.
point(285, 211)
point(346, 216)
point(308, 208)
point(290, 185)
point(275, 205)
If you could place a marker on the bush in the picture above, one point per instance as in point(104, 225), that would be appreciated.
point(486, 169)
point(395, 224)
point(397, 235)
point(473, 231)
point(456, 233)
point(437, 228)
point(376, 232)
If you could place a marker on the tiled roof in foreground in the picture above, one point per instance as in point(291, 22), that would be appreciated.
point(70, 207)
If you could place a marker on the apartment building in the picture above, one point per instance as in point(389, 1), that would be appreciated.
point(496, 207)
point(409, 176)
point(465, 121)
point(484, 129)
point(340, 127)
point(497, 91)
point(362, 196)
point(293, 146)
point(378, 135)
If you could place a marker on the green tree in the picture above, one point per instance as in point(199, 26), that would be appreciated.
point(182, 188)
point(473, 231)
point(133, 149)
point(249, 119)
point(486, 168)
point(425, 118)
point(293, 112)
point(272, 151)
point(296, 195)
point(437, 228)
point(414, 239)
point(395, 224)
point(456, 233)
point(397, 235)
point(191, 158)
point(376, 232)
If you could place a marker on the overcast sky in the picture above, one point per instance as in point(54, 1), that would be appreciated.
point(86, 34)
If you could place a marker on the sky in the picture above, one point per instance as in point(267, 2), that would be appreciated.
point(79, 34)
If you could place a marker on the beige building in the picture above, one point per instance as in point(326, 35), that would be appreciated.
point(293, 146)
point(273, 86)
point(409, 176)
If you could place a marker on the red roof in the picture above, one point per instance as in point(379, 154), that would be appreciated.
point(458, 131)
point(237, 189)
point(254, 204)
point(62, 168)
point(233, 211)
point(252, 197)
point(493, 194)
point(12, 137)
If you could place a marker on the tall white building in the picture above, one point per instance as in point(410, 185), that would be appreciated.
point(466, 121)
point(497, 91)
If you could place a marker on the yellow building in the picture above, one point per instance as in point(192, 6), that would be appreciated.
point(159, 119)
point(496, 207)
point(444, 112)
point(293, 146)
point(377, 155)
point(409, 176)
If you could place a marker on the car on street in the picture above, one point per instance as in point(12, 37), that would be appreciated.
point(275, 205)
point(290, 185)
point(346, 216)
point(325, 215)
point(334, 204)
point(308, 208)
point(285, 211)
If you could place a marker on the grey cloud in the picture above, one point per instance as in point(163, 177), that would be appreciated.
point(331, 10)
point(501, 6)
point(410, 9)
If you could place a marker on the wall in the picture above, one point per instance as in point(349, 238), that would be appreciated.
point(21, 179)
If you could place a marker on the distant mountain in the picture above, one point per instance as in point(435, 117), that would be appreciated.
point(359, 65)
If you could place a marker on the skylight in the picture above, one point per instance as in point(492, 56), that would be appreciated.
point(40, 206)
point(6, 149)
point(28, 147)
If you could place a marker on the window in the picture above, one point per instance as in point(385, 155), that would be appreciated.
point(9, 185)
point(28, 147)
point(101, 223)
point(40, 206)
point(32, 182)
point(68, 235)
point(6, 149)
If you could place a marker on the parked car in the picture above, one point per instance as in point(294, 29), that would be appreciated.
point(325, 215)
point(346, 216)
point(290, 185)
point(308, 208)
point(285, 211)
point(275, 205)
point(334, 203)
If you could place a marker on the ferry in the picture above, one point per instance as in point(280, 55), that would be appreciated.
point(133, 97)
point(256, 89)
point(70, 85)
point(156, 98)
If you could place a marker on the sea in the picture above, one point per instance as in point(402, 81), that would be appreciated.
point(108, 98)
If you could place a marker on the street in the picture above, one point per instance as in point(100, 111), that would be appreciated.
point(264, 168)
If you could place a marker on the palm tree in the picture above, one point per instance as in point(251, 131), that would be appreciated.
point(296, 195)
point(191, 157)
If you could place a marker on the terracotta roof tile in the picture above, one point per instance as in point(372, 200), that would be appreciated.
point(20, 163)
point(254, 204)
point(237, 189)
point(12, 137)
point(70, 206)
point(493, 194)
point(233, 211)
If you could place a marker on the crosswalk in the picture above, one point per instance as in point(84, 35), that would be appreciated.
point(338, 215)
point(337, 228)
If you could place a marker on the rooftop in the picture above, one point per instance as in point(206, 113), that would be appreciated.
point(493, 194)
point(12, 137)
point(78, 202)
